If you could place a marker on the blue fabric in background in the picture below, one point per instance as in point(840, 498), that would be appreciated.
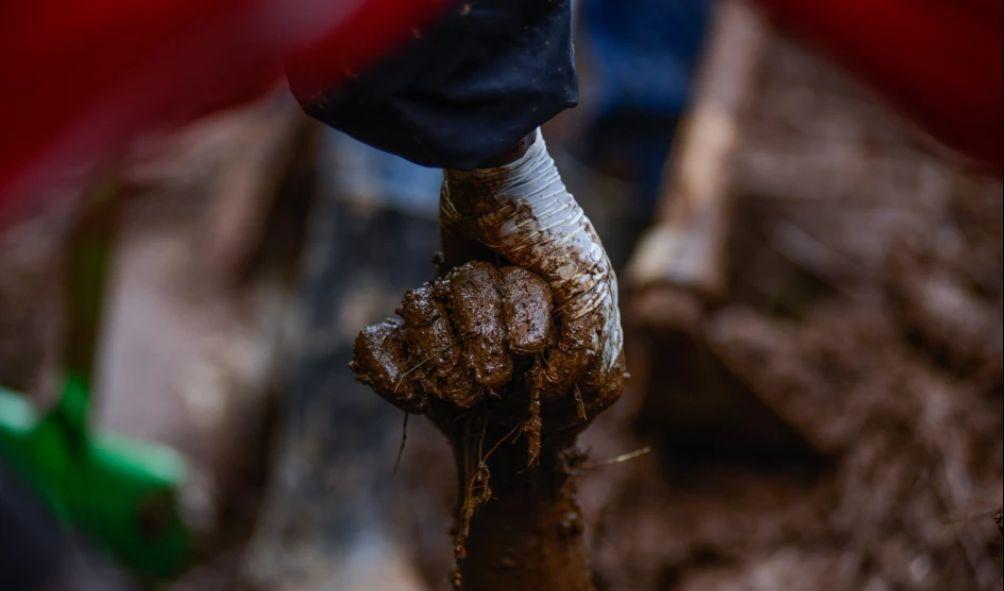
point(464, 91)
point(645, 52)
point(352, 171)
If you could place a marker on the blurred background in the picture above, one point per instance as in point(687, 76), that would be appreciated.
point(812, 296)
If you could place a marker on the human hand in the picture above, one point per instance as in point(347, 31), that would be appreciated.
point(537, 344)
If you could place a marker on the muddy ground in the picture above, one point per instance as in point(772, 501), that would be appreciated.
point(836, 423)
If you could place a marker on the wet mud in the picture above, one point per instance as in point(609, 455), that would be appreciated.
point(477, 314)
point(437, 364)
point(381, 362)
point(528, 310)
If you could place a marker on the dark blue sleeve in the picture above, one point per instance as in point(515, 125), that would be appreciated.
point(465, 90)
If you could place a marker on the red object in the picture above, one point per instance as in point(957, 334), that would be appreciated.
point(938, 61)
point(79, 80)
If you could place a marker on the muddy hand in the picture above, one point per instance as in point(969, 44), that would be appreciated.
point(521, 213)
point(539, 342)
point(473, 338)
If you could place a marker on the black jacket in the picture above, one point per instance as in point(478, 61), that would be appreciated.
point(465, 90)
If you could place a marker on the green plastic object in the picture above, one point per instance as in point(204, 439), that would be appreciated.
point(120, 492)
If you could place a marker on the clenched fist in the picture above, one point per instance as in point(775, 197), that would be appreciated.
point(537, 339)
point(477, 336)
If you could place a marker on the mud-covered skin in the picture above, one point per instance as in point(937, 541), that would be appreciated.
point(436, 361)
point(482, 330)
point(522, 212)
point(551, 313)
point(476, 311)
point(529, 325)
point(381, 362)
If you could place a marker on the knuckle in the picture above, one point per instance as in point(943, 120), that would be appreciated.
point(528, 306)
point(381, 362)
point(579, 343)
point(433, 347)
point(476, 311)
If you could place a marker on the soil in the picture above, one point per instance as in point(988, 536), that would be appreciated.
point(836, 423)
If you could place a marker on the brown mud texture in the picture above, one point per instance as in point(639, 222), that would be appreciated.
point(462, 353)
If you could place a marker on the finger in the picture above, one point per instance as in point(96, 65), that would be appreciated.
point(381, 362)
point(590, 342)
point(602, 386)
point(527, 306)
point(576, 348)
point(434, 350)
point(476, 312)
